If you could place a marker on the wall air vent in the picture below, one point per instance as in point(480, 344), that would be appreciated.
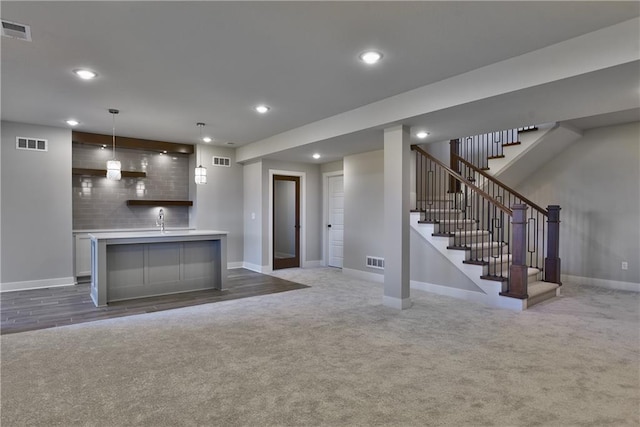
point(16, 31)
point(375, 262)
point(33, 144)
point(221, 161)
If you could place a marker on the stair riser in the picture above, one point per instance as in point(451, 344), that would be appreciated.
point(436, 204)
point(497, 270)
point(438, 216)
point(454, 227)
point(485, 252)
point(531, 301)
point(468, 239)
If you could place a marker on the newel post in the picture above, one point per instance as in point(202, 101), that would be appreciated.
point(552, 261)
point(454, 164)
point(518, 270)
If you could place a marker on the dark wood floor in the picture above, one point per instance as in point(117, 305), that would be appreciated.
point(47, 308)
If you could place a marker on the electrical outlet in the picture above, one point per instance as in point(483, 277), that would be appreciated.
point(625, 265)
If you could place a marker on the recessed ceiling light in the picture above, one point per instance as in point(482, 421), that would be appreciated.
point(262, 108)
point(85, 74)
point(422, 134)
point(207, 139)
point(316, 156)
point(72, 122)
point(370, 57)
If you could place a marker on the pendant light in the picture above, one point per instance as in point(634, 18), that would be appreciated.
point(113, 166)
point(200, 171)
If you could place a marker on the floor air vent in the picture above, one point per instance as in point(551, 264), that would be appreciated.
point(33, 144)
point(221, 161)
point(375, 262)
point(16, 31)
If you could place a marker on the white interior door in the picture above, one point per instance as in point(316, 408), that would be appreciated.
point(336, 221)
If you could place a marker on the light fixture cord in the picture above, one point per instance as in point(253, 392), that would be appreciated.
point(200, 125)
point(113, 117)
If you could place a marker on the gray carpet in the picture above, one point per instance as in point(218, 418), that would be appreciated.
point(332, 355)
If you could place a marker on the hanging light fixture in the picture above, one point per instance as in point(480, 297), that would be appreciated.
point(113, 166)
point(200, 171)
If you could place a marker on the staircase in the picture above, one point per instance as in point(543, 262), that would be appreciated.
point(504, 243)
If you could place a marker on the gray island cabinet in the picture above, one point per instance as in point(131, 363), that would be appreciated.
point(127, 265)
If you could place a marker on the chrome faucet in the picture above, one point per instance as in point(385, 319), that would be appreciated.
point(160, 220)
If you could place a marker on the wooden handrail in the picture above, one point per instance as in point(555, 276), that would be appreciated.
point(501, 184)
point(457, 177)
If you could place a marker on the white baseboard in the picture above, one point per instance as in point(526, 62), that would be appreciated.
point(312, 264)
point(603, 283)
point(257, 268)
point(232, 265)
point(397, 303)
point(364, 275)
point(449, 291)
point(466, 295)
point(37, 284)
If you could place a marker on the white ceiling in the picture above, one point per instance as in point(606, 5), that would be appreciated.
point(168, 65)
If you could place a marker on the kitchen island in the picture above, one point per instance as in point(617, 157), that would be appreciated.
point(127, 265)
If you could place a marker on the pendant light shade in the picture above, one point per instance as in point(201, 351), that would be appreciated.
point(113, 170)
point(201, 175)
point(113, 166)
point(200, 171)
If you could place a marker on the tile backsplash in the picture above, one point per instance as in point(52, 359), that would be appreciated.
point(99, 203)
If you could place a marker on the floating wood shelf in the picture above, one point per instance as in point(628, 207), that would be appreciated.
point(132, 143)
point(144, 202)
point(103, 172)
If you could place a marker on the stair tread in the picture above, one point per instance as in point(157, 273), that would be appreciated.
point(494, 278)
point(471, 233)
point(539, 287)
point(531, 271)
point(442, 210)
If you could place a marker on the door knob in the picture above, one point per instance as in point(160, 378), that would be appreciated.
point(329, 226)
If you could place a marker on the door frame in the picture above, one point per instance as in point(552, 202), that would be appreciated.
point(303, 216)
point(291, 262)
point(325, 214)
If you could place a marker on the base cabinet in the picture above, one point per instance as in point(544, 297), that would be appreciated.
point(137, 265)
point(82, 254)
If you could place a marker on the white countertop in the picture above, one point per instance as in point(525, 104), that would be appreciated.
point(155, 234)
point(126, 230)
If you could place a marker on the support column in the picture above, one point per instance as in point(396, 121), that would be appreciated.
point(396, 217)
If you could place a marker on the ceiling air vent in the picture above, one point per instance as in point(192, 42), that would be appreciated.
point(221, 161)
point(16, 31)
point(33, 144)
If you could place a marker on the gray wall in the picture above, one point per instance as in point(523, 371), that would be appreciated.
point(332, 167)
point(252, 217)
point(313, 216)
point(430, 266)
point(595, 181)
point(218, 204)
point(36, 234)
point(439, 149)
point(363, 209)
point(99, 203)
